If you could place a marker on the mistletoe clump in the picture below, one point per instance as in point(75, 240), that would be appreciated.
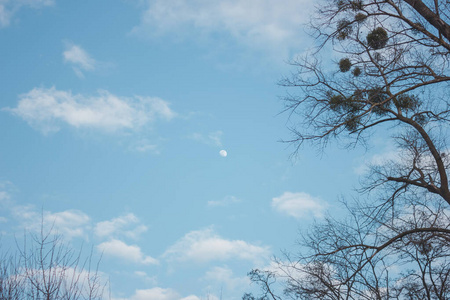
point(356, 5)
point(336, 101)
point(356, 71)
point(350, 106)
point(377, 38)
point(378, 98)
point(406, 102)
point(341, 104)
point(345, 65)
point(360, 17)
point(343, 29)
point(352, 123)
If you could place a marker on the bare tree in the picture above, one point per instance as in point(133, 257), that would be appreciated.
point(391, 73)
point(11, 285)
point(46, 268)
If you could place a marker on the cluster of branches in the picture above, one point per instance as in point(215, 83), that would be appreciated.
point(45, 268)
point(391, 74)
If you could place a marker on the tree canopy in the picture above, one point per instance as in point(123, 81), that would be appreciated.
point(390, 72)
point(44, 267)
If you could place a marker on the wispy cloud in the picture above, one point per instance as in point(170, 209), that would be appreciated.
point(5, 16)
point(262, 24)
point(193, 297)
point(145, 145)
point(132, 253)
point(48, 109)
point(149, 280)
point(299, 205)
point(8, 8)
point(390, 154)
point(205, 246)
point(211, 139)
point(127, 225)
point(228, 200)
point(398, 158)
point(158, 293)
point(224, 276)
point(70, 223)
point(155, 293)
point(79, 59)
point(4, 196)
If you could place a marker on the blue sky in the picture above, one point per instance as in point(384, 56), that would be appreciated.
point(113, 114)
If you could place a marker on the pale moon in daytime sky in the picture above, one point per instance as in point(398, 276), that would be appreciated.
point(223, 153)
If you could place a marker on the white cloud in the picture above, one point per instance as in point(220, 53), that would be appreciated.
point(78, 56)
point(224, 202)
point(158, 293)
point(299, 205)
point(47, 109)
point(208, 296)
point(132, 253)
point(401, 158)
point(378, 160)
point(8, 8)
point(225, 276)
point(284, 269)
point(265, 24)
point(79, 59)
point(69, 223)
point(149, 280)
point(205, 245)
point(193, 297)
point(155, 293)
point(72, 277)
point(140, 274)
point(120, 226)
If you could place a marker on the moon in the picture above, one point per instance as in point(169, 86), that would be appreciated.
point(223, 153)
